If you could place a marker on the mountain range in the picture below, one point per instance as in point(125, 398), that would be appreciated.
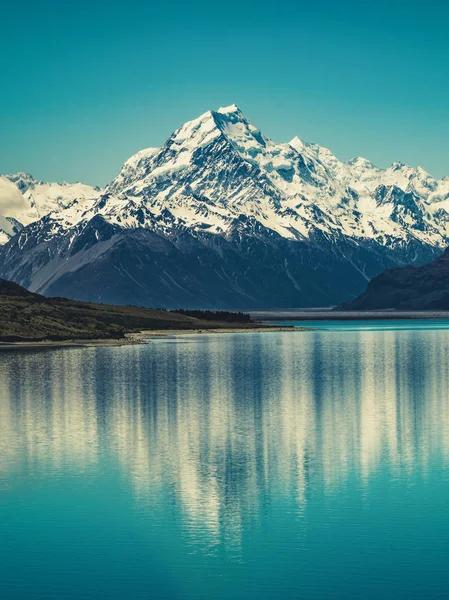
point(24, 200)
point(221, 216)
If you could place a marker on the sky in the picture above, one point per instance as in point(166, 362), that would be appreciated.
point(87, 84)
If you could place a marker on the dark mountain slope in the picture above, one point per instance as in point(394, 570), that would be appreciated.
point(251, 267)
point(408, 288)
point(9, 289)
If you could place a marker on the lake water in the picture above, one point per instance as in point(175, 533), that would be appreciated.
point(305, 465)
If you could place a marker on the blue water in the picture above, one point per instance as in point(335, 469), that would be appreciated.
point(305, 465)
point(368, 325)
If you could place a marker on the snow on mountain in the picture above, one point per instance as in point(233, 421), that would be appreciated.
point(281, 185)
point(23, 200)
point(221, 215)
point(134, 166)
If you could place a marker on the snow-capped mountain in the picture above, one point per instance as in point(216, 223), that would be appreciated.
point(222, 216)
point(23, 200)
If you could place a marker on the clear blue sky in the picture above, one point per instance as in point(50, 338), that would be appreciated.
point(87, 84)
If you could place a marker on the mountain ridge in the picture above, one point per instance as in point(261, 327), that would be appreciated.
point(222, 216)
point(24, 199)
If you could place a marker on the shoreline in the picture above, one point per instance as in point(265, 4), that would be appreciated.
point(350, 315)
point(158, 333)
point(139, 337)
point(42, 344)
point(261, 325)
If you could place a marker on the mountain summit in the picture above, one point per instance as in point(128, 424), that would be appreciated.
point(222, 216)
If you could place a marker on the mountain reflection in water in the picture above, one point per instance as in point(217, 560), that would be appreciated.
point(226, 424)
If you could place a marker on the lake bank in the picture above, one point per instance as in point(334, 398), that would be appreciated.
point(333, 315)
point(139, 337)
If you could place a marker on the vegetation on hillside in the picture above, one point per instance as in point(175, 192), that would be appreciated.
point(25, 316)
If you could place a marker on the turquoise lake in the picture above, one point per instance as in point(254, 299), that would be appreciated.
point(268, 466)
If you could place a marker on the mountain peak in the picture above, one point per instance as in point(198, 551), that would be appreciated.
point(297, 143)
point(22, 180)
point(226, 110)
point(397, 166)
point(422, 172)
point(360, 161)
point(21, 175)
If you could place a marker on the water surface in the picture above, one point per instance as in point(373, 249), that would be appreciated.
point(260, 465)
